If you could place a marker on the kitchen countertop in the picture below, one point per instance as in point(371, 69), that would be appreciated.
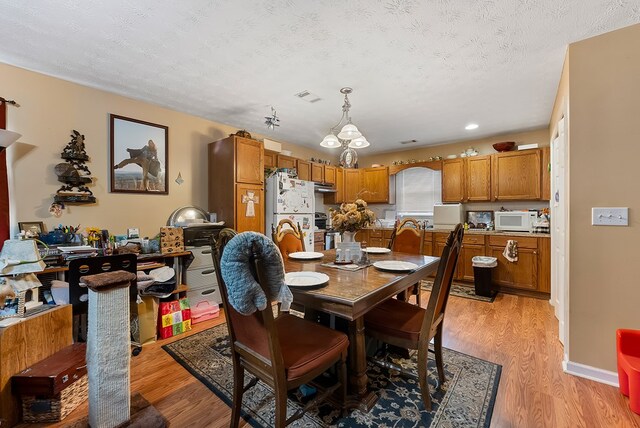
point(482, 232)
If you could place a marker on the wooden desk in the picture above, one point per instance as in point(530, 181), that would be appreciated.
point(24, 344)
point(350, 295)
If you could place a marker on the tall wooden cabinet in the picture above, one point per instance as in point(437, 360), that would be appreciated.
point(351, 184)
point(236, 182)
point(375, 184)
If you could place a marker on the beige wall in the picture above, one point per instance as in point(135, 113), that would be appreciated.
point(540, 136)
point(50, 108)
point(604, 91)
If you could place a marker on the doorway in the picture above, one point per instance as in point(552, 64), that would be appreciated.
point(560, 231)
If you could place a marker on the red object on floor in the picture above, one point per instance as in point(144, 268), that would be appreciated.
point(628, 345)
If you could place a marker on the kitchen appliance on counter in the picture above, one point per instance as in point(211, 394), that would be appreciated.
point(515, 221)
point(293, 199)
point(447, 216)
point(320, 220)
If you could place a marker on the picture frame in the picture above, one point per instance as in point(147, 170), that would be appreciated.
point(27, 225)
point(479, 219)
point(139, 161)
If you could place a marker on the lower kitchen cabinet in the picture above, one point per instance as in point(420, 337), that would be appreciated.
point(522, 274)
point(465, 265)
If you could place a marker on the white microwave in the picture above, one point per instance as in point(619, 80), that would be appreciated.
point(516, 221)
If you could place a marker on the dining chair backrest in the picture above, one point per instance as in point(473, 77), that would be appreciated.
point(253, 336)
point(407, 237)
point(288, 237)
point(442, 283)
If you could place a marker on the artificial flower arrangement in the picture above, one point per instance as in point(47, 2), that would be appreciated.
point(352, 217)
point(93, 235)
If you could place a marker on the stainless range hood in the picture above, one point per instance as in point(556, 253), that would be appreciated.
point(324, 188)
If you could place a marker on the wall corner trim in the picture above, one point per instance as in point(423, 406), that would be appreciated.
point(589, 372)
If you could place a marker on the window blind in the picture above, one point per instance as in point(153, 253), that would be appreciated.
point(418, 190)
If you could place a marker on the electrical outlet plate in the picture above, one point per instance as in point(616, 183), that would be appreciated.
point(610, 216)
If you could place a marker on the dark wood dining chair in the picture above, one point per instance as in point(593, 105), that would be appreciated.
point(283, 352)
point(408, 326)
point(288, 237)
point(407, 237)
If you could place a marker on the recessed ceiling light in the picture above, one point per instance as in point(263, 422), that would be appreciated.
point(471, 126)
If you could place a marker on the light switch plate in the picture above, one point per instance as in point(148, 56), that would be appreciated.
point(610, 216)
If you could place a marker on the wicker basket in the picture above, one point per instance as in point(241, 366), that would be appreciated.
point(57, 407)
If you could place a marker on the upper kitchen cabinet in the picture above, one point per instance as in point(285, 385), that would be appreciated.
point(304, 169)
point(375, 184)
point(249, 161)
point(330, 174)
point(546, 173)
point(352, 185)
point(516, 175)
point(478, 178)
point(336, 197)
point(453, 180)
point(317, 172)
point(270, 159)
point(286, 162)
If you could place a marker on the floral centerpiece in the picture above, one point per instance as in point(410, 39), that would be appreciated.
point(351, 217)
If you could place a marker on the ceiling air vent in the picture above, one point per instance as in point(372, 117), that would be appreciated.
point(408, 142)
point(308, 96)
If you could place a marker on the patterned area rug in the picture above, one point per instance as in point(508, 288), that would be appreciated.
point(460, 290)
point(465, 400)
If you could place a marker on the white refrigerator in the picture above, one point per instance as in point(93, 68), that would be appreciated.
point(290, 198)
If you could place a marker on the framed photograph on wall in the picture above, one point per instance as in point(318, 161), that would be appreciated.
point(139, 156)
point(32, 226)
point(479, 219)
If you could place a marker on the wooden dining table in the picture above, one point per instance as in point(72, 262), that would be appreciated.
point(350, 295)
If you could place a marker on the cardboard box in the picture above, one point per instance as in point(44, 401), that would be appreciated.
point(171, 240)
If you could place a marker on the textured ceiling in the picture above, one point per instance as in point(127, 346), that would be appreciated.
point(419, 69)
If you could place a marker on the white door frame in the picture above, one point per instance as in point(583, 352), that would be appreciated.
point(559, 205)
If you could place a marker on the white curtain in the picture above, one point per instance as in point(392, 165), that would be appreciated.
point(417, 191)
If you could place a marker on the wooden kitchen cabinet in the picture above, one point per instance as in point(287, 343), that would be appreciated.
point(317, 172)
point(338, 196)
point(516, 175)
point(330, 174)
point(546, 173)
point(465, 264)
point(304, 169)
point(453, 180)
point(522, 274)
point(375, 184)
point(283, 161)
point(427, 245)
point(270, 159)
point(249, 161)
point(237, 163)
point(352, 184)
point(478, 178)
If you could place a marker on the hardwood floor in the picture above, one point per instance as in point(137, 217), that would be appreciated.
point(520, 333)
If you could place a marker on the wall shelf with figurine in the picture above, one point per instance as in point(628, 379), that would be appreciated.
point(74, 174)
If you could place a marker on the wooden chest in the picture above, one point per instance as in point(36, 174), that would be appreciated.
point(53, 387)
point(53, 374)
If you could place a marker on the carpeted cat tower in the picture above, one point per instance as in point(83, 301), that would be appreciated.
point(108, 348)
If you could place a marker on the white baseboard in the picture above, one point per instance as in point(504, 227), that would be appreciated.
point(590, 372)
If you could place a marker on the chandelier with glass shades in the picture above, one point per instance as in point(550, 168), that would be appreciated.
point(349, 138)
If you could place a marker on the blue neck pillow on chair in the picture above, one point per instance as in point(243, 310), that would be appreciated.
point(244, 292)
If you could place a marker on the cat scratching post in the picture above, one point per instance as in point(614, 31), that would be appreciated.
point(108, 348)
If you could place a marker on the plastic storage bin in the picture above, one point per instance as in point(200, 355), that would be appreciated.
point(482, 268)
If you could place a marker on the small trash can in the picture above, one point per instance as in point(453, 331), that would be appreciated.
point(482, 268)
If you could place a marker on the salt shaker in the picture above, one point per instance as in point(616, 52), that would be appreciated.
point(338, 255)
point(364, 258)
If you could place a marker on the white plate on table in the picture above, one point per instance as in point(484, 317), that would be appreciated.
point(305, 279)
point(377, 250)
point(306, 255)
point(395, 266)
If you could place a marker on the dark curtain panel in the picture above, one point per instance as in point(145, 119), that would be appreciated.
point(4, 187)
